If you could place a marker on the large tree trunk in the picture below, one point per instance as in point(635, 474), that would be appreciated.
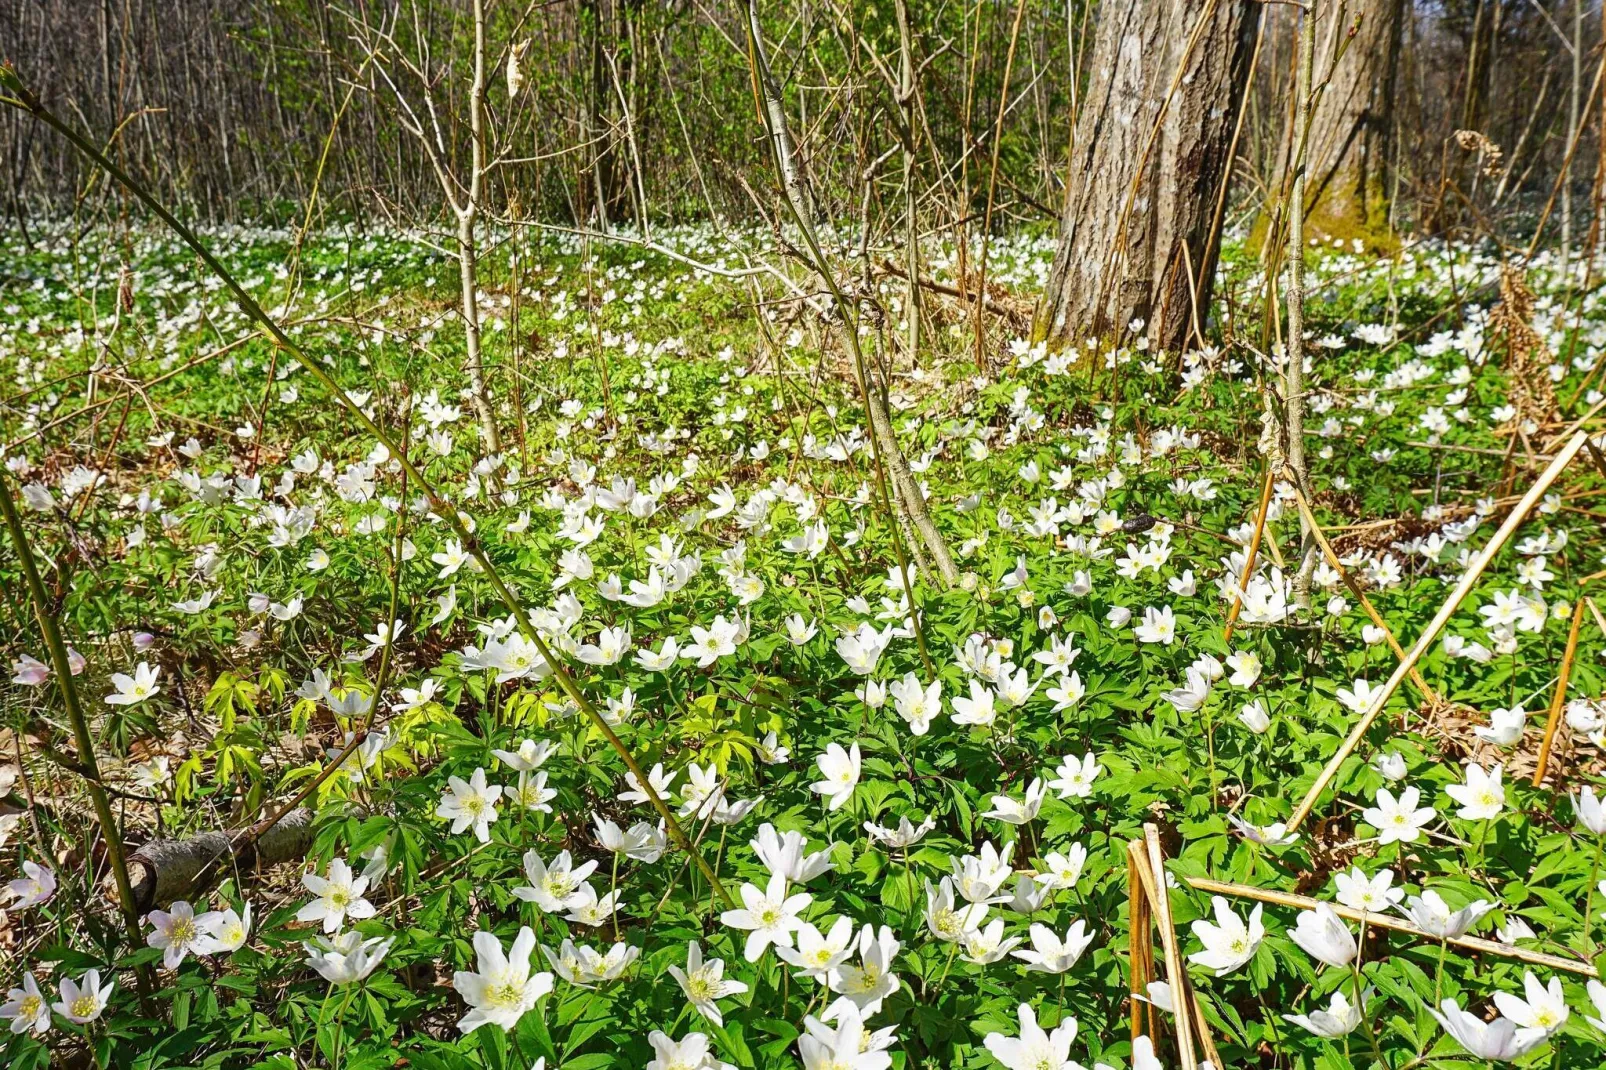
point(1140, 234)
point(1352, 128)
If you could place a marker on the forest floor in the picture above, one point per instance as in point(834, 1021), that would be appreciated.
point(685, 509)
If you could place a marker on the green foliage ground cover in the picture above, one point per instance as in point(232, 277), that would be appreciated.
point(697, 536)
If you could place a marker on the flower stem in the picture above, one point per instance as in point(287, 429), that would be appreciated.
point(953, 949)
point(1589, 897)
point(613, 886)
point(339, 1025)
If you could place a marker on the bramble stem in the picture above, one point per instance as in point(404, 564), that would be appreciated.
point(86, 765)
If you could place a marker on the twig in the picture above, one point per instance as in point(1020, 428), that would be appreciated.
point(1354, 588)
point(1140, 941)
point(1559, 699)
point(86, 766)
point(1451, 604)
point(1254, 551)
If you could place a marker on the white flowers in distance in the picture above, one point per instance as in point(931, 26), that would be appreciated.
point(906, 835)
point(82, 1001)
point(704, 983)
point(1430, 912)
point(1482, 796)
point(1338, 1020)
point(1050, 953)
point(180, 932)
point(1540, 1007)
point(470, 804)
point(848, 1046)
point(1591, 816)
point(26, 1008)
point(558, 887)
point(1074, 778)
point(980, 708)
point(945, 919)
point(1253, 716)
point(861, 649)
point(339, 896)
point(1498, 1041)
point(870, 982)
point(1010, 812)
point(641, 842)
point(1359, 892)
point(783, 854)
point(690, 1052)
point(768, 917)
point(36, 885)
point(916, 703)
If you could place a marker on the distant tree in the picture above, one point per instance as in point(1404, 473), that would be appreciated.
point(1352, 125)
point(1141, 228)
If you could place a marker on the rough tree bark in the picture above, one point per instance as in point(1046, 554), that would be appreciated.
point(1352, 126)
point(1151, 152)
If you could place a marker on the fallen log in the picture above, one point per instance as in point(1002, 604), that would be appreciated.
point(163, 870)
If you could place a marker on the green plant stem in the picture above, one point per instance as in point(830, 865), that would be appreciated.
point(340, 1026)
point(613, 886)
point(909, 879)
point(1371, 1033)
point(26, 101)
point(1438, 973)
point(86, 765)
point(1589, 896)
point(953, 949)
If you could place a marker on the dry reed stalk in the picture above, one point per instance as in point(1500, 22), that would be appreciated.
point(1176, 971)
point(1513, 521)
point(1140, 941)
point(1145, 889)
point(1594, 611)
point(1385, 921)
point(1354, 589)
point(1559, 699)
point(1254, 551)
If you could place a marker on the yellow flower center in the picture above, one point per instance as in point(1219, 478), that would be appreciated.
point(84, 1007)
point(506, 994)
